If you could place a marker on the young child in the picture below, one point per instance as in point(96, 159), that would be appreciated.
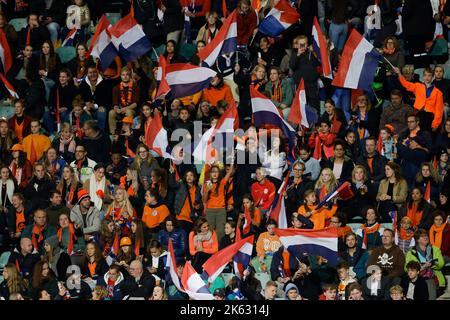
point(353, 149)
point(345, 279)
point(385, 145)
point(78, 117)
point(126, 255)
point(396, 293)
point(322, 141)
point(317, 217)
point(117, 168)
point(329, 292)
point(442, 166)
point(406, 235)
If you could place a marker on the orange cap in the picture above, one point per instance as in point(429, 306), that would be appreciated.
point(17, 147)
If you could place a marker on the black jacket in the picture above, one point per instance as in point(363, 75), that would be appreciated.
point(100, 269)
point(37, 37)
point(420, 288)
point(38, 191)
point(382, 292)
point(35, 99)
point(277, 264)
point(26, 263)
point(347, 168)
point(309, 286)
point(11, 217)
point(66, 96)
point(378, 164)
point(173, 18)
point(141, 289)
point(417, 19)
point(304, 66)
point(57, 10)
point(295, 194)
point(146, 14)
point(101, 96)
point(98, 148)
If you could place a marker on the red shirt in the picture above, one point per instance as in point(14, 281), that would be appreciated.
point(263, 194)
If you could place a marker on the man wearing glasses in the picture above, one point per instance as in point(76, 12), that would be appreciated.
point(83, 166)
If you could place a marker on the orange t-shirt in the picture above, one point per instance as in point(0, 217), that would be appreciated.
point(185, 213)
point(319, 217)
point(153, 217)
point(92, 267)
point(217, 201)
point(18, 130)
point(20, 221)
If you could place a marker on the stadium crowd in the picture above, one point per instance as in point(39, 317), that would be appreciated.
point(78, 178)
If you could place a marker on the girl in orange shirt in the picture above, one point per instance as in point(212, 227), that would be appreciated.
point(155, 212)
point(318, 217)
point(203, 243)
point(214, 199)
point(255, 214)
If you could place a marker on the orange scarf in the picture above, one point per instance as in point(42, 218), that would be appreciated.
point(137, 247)
point(436, 235)
point(414, 215)
point(369, 230)
point(406, 234)
point(323, 193)
point(72, 237)
point(286, 267)
point(37, 231)
point(125, 101)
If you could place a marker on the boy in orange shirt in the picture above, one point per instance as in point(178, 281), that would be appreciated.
point(154, 211)
point(318, 217)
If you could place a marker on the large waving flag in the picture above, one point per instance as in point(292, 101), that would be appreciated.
point(186, 79)
point(313, 242)
point(5, 53)
point(358, 64)
point(69, 40)
point(101, 46)
point(239, 251)
point(344, 191)
point(301, 113)
point(8, 86)
point(247, 221)
point(163, 86)
point(225, 127)
point(320, 48)
point(265, 112)
point(129, 38)
point(224, 42)
point(278, 209)
point(281, 17)
point(156, 137)
point(193, 284)
point(171, 265)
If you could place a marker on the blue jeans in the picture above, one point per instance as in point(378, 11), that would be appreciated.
point(338, 34)
point(100, 116)
point(49, 120)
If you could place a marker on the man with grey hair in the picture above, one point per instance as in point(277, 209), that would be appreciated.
point(140, 284)
point(39, 231)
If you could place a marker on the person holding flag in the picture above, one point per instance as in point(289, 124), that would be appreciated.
point(318, 216)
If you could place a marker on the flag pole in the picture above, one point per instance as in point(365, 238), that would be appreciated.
point(392, 66)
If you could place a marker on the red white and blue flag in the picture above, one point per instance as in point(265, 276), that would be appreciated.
point(70, 38)
point(156, 137)
point(8, 86)
point(221, 133)
point(163, 86)
point(129, 38)
point(301, 113)
point(186, 79)
point(320, 48)
point(240, 252)
point(224, 42)
point(5, 53)
point(344, 192)
point(358, 63)
point(101, 46)
point(281, 17)
point(171, 266)
point(193, 284)
point(312, 242)
point(266, 113)
point(427, 193)
point(247, 221)
point(278, 209)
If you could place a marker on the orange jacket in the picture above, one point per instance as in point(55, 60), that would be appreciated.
point(214, 95)
point(319, 217)
point(208, 247)
point(153, 217)
point(434, 103)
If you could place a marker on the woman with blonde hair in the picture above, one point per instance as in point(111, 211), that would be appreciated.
point(325, 184)
point(100, 293)
point(121, 210)
point(12, 283)
point(159, 293)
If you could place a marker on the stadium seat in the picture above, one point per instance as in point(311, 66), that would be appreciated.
point(187, 50)
point(227, 277)
point(263, 278)
point(419, 71)
point(113, 17)
point(66, 53)
point(3, 261)
point(18, 23)
point(157, 51)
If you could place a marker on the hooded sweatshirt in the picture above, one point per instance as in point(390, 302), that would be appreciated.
point(391, 261)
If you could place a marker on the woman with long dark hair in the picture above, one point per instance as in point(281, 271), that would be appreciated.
point(43, 279)
point(417, 210)
point(20, 166)
point(203, 243)
point(69, 186)
point(93, 265)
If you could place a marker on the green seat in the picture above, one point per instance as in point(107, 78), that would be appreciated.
point(18, 23)
point(440, 48)
point(187, 50)
point(156, 52)
point(66, 53)
point(113, 17)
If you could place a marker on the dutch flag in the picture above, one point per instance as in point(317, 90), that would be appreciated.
point(5, 53)
point(224, 42)
point(281, 17)
point(358, 64)
point(193, 284)
point(129, 38)
point(156, 137)
point(278, 209)
point(101, 46)
point(301, 113)
point(8, 86)
point(171, 266)
point(320, 48)
point(69, 40)
point(239, 252)
point(312, 242)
